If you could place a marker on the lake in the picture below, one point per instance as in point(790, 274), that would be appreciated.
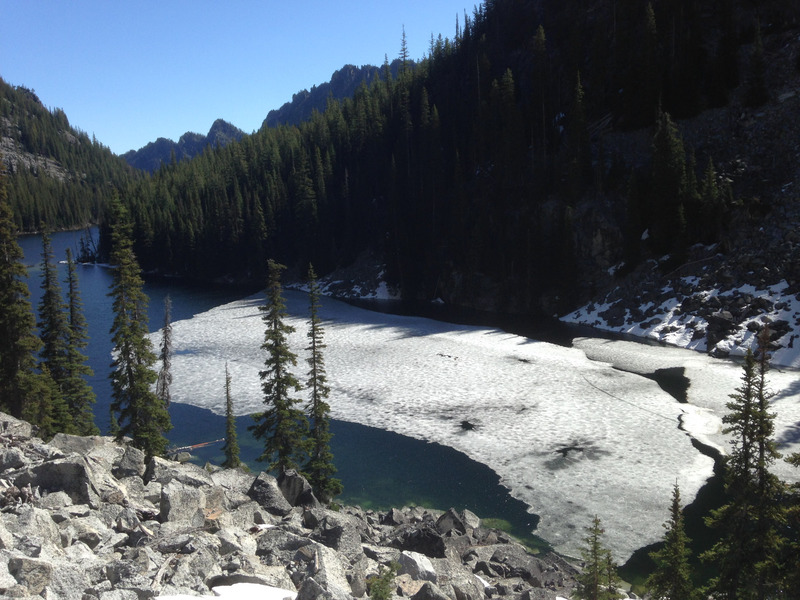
point(379, 469)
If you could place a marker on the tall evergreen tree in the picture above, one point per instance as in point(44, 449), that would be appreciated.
point(45, 406)
point(599, 579)
point(672, 579)
point(139, 412)
point(77, 392)
point(668, 188)
point(282, 425)
point(791, 566)
point(52, 321)
point(746, 555)
point(52, 412)
point(320, 468)
point(165, 357)
point(756, 93)
point(18, 341)
point(231, 447)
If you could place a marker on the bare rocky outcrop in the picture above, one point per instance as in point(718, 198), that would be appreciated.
point(86, 518)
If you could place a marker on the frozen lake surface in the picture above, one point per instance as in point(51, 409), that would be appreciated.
point(572, 432)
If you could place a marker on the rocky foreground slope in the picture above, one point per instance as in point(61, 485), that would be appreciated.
point(85, 518)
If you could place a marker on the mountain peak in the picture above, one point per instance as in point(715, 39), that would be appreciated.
point(153, 155)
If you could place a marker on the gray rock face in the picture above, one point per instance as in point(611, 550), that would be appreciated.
point(83, 519)
point(266, 492)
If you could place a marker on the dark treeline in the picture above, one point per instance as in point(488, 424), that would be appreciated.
point(56, 174)
point(466, 172)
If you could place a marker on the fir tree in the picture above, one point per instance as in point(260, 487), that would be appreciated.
point(18, 341)
point(791, 566)
point(77, 392)
point(52, 321)
point(672, 579)
point(45, 407)
point(139, 412)
point(231, 447)
point(320, 468)
point(746, 555)
point(599, 579)
point(756, 93)
point(165, 357)
point(54, 333)
point(282, 425)
point(669, 186)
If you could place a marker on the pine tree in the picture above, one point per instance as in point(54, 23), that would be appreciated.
point(52, 322)
point(756, 93)
point(231, 447)
point(747, 554)
point(282, 425)
point(578, 147)
point(672, 579)
point(165, 357)
point(599, 579)
point(54, 333)
point(139, 413)
point(77, 392)
point(791, 566)
point(320, 468)
point(668, 187)
point(18, 342)
point(45, 406)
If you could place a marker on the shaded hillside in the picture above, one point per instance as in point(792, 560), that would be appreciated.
point(56, 173)
point(343, 84)
point(162, 151)
point(497, 173)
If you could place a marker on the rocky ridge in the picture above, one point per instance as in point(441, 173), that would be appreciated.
point(86, 518)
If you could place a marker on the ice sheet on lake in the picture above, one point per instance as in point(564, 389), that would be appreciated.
point(571, 436)
point(712, 382)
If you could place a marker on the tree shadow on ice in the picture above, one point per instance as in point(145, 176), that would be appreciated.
point(791, 390)
point(564, 456)
point(790, 435)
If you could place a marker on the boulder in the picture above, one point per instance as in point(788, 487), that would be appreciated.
point(180, 502)
point(430, 591)
point(394, 517)
point(84, 482)
point(31, 573)
point(13, 427)
point(276, 546)
point(342, 533)
point(417, 565)
point(329, 569)
point(129, 464)
point(423, 539)
point(265, 491)
point(296, 489)
point(11, 458)
point(451, 521)
point(89, 530)
point(163, 471)
point(233, 480)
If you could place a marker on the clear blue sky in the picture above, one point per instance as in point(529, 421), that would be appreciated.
point(130, 72)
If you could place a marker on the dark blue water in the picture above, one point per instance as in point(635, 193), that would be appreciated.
point(379, 469)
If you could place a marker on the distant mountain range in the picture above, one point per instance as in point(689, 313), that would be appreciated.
point(153, 155)
point(343, 84)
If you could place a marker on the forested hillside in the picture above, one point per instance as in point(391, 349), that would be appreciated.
point(493, 173)
point(56, 174)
